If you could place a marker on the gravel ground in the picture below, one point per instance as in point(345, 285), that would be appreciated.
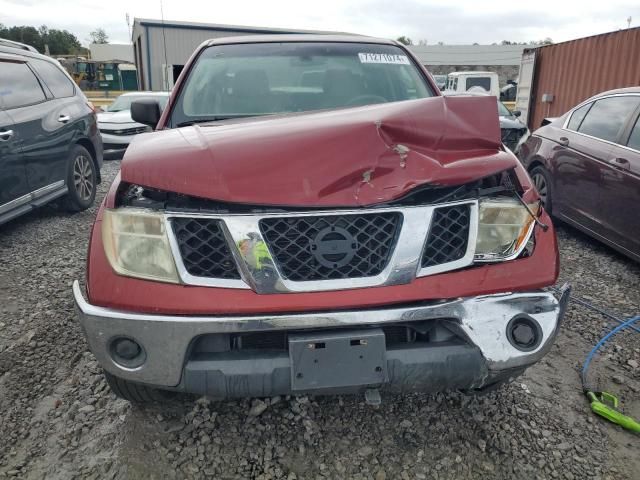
point(58, 418)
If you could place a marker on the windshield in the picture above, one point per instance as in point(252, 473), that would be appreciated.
point(267, 78)
point(123, 102)
point(502, 110)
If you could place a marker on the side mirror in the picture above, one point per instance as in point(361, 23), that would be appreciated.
point(146, 111)
point(516, 113)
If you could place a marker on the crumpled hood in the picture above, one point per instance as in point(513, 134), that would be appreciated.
point(347, 157)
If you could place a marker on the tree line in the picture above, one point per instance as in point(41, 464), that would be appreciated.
point(547, 41)
point(59, 42)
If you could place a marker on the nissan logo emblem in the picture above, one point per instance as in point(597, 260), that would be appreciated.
point(334, 247)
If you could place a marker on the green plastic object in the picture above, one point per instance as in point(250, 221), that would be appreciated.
point(605, 405)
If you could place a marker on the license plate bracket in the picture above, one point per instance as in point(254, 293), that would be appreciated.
point(337, 359)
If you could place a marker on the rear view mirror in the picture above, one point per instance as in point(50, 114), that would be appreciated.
point(146, 111)
point(516, 113)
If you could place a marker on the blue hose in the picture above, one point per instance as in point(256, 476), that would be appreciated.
point(590, 306)
point(585, 368)
point(601, 311)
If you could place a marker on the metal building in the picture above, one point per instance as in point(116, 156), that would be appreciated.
point(465, 55)
point(444, 59)
point(161, 48)
point(555, 78)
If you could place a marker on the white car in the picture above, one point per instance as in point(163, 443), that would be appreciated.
point(115, 123)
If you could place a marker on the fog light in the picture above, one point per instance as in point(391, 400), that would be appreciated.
point(127, 352)
point(524, 333)
point(125, 348)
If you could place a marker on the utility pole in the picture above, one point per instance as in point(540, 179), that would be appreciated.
point(128, 25)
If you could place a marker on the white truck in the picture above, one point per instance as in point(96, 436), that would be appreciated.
point(474, 81)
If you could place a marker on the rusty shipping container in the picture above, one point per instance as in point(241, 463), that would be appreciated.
point(576, 70)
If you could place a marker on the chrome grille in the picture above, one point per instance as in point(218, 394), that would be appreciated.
point(294, 252)
point(448, 237)
point(125, 131)
point(332, 247)
point(203, 248)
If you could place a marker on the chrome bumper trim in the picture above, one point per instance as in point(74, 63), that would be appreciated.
point(166, 338)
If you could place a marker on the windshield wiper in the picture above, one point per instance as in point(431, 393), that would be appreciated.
point(220, 117)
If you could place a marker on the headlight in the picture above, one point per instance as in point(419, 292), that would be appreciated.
point(136, 244)
point(504, 227)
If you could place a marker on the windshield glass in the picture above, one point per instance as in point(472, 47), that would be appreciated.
point(267, 78)
point(502, 110)
point(123, 102)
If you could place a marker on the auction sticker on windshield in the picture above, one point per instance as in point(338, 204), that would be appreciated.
point(383, 58)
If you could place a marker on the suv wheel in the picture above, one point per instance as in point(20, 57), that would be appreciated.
point(81, 180)
point(135, 392)
point(542, 181)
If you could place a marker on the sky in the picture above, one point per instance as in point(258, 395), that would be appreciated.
point(463, 22)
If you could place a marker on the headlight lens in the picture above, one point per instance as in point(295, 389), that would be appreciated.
point(504, 227)
point(136, 244)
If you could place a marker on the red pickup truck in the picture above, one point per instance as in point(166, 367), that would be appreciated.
point(312, 216)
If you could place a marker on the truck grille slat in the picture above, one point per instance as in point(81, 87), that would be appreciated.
point(332, 247)
point(203, 248)
point(325, 247)
point(448, 237)
point(126, 131)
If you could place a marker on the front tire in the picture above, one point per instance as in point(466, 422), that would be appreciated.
point(542, 181)
point(135, 392)
point(81, 180)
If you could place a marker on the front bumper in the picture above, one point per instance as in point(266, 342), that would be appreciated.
point(115, 144)
point(484, 355)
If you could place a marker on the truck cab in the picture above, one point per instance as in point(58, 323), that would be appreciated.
point(474, 81)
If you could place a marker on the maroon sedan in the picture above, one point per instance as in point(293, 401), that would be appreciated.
point(586, 167)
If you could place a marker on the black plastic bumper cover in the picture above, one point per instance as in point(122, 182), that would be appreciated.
point(434, 368)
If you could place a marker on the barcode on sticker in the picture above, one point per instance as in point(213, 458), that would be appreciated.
point(383, 58)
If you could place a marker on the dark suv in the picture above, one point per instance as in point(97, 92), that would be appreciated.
point(50, 146)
